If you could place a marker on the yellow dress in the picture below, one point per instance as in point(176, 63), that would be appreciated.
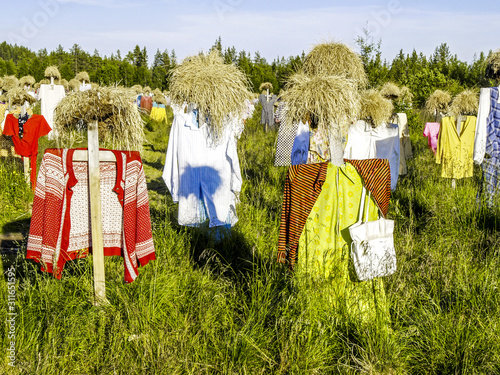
point(324, 266)
point(455, 151)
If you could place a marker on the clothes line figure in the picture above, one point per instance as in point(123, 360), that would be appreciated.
point(60, 224)
point(202, 176)
point(431, 132)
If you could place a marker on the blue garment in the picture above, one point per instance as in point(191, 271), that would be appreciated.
point(300, 148)
point(161, 106)
point(139, 100)
point(491, 162)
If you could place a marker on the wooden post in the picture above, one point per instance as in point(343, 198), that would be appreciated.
point(96, 214)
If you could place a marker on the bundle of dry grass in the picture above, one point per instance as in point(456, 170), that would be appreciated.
point(335, 59)
point(493, 65)
point(9, 83)
point(146, 90)
point(82, 76)
point(266, 86)
point(64, 83)
point(438, 101)
point(375, 108)
point(26, 81)
point(137, 89)
point(17, 96)
point(159, 97)
point(94, 86)
point(466, 103)
point(218, 89)
point(74, 84)
point(390, 90)
point(52, 71)
point(120, 124)
point(406, 94)
point(333, 100)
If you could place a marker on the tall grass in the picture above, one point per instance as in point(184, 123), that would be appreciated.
point(219, 303)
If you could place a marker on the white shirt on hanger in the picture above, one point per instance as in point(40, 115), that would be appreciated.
point(50, 96)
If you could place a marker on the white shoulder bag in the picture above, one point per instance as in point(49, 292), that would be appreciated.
point(372, 247)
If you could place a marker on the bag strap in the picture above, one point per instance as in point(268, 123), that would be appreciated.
point(362, 206)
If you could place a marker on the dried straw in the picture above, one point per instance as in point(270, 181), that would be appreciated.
point(466, 103)
point(44, 81)
point(137, 89)
point(390, 90)
point(333, 58)
point(17, 96)
point(82, 76)
point(333, 100)
point(64, 83)
point(438, 101)
point(159, 97)
point(9, 83)
point(218, 89)
point(94, 86)
point(406, 94)
point(27, 81)
point(52, 71)
point(74, 84)
point(266, 86)
point(493, 65)
point(120, 124)
point(375, 108)
point(146, 89)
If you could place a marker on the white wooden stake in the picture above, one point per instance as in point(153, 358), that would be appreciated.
point(96, 214)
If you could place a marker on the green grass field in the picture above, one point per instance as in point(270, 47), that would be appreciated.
point(227, 307)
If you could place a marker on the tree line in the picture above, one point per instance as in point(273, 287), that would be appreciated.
point(422, 74)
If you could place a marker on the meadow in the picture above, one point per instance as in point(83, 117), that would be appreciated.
point(219, 303)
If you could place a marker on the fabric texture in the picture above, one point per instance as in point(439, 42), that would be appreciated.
point(300, 148)
point(60, 224)
point(376, 175)
point(319, 147)
point(365, 142)
point(431, 131)
point(303, 185)
point(204, 178)
point(285, 139)
point(267, 116)
point(34, 128)
point(50, 96)
point(158, 113)
point(491, 161)
point(455, 151)
point(324, 249)
point(481, 124)
point(147, 103)
point(405, 149)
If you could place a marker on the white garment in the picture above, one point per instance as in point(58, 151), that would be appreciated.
point(481, 122)
point(364, 142)
point(85, 87)
point(50, 96)
point(204, 178)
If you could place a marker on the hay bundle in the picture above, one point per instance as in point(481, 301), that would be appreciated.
point(332, 100)
point(52, 71)
point(94, 86)
point(335, 59)
point(27, 81)
point(64, 83)
point(9, 83)
point(438, 101)
point(159, 97)
point(465, 103)
point(390, 90)
point(17, 96)
point(147, 90)
point(493, 65)
point(266, 86)
point(137, 89)
point(218, 89)
point(375, 108)
point(74, 84)
point(82, 76)
point(406, 94)
point(120, 124)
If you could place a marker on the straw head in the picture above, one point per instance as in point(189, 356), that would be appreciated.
point(375, 108)
point(466, 103)
point(52, 71)
point(82, 76)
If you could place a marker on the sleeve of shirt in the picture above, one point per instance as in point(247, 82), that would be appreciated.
point(426, 130)
point(44, 127)
point(171, 169)
point(232, 156)
point(482, 116)
point(9, 125)
point(439, 149)
point(144, 241)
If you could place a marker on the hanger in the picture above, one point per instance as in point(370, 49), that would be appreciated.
point(52, 83)
point(104, 155)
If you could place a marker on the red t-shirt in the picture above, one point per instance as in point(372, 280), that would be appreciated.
point(33, 129)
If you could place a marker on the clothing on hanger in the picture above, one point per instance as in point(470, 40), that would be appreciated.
point(455, 151)
point(267, 116)
point(50, 96)
point(33, 128)
point(60, 224)
point(431, 131)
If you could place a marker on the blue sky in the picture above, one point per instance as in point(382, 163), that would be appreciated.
point(274, 28)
